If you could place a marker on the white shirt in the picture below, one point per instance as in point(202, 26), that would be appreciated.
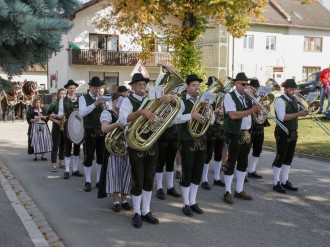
point(230, 105)
point(279, 107)
point(126, 108)
point(60, 108)
point(105, 116)
point(84, 110)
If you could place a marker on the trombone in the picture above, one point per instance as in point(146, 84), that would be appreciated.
point(310, 112)
point(255, 101)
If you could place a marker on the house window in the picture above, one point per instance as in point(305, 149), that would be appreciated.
point(104, 42)
point(248, 42)
point(309, 70)
point(313, 44)
point(111, 80)
point(270, 43)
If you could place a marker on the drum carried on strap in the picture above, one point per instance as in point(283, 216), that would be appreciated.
point(75, 127)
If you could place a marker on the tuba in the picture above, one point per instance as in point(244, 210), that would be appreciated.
point(115, 142)
point(195, 128)
point(142, 133)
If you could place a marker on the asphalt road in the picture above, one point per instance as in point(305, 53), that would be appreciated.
point(80, 219)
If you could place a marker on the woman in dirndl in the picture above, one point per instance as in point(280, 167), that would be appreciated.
point(39, 141)
point(115, 176)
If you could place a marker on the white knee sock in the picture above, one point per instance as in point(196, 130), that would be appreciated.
point(88, 172)
point(253, 164)
point(285, 173)
point(159, 180)
point(98, 172)
point(67, 163)
point(217, 168)
point(205, 172)
point(136, 201)
point(169, 176)
point(193, 193)
point(228, 181)
point(146, 198)
point(240, 176)
point(277, 172)
point(185, 195)
point(75, 163)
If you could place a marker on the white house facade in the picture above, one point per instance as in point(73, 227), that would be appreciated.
point(111, 56)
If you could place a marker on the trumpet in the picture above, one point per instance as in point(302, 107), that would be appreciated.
point(255, 101)
point(310, 112)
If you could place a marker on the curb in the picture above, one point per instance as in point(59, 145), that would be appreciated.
point(32, 216)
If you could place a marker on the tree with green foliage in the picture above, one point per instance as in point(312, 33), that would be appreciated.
point(31, 31)
point(140, 17)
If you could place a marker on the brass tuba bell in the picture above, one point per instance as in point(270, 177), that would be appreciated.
point(115, 142)
point(142, 133)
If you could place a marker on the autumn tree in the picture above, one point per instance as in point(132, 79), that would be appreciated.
point(31, 31)
point(141, 17)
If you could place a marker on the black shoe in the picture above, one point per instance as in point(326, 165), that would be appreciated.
point(219, 183)
point(228, 198)
point(77, 174)
point(254, 175)
point(35, 159)
point(246, 180)
point(160, 194)
point(88, 186)
point(186, 210)
point(177, 174)
point(288, 185)
point(126, 206)
point(66, 175)
point(137, 223)
point(43, 158)
point(278, 187)
point(196, 209)
point(116, 207)
point(206, 186)
point(97, 185)
point(150, 218)
point(173, 192)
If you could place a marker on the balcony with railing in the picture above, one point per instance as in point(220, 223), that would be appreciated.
point(116, 58)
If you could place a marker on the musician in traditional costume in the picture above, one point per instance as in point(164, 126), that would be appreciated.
point(56, 114)
point(39, 135)
point(214, 137)
point(287, 112)
point(116, 175)
point(143, 163)
point(238, 109)
point(123, 91)
point(257, 138)
point(193, 150)
point(90, 109)
point(70, 103)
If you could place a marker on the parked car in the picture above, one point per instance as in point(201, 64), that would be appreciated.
point(310, 84)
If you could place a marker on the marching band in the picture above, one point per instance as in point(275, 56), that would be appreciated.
point(202, 127)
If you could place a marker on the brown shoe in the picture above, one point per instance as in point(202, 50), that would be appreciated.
point(228, 198)
point(243, 195)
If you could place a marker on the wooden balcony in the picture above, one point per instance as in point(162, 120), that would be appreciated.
point(116, 58)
